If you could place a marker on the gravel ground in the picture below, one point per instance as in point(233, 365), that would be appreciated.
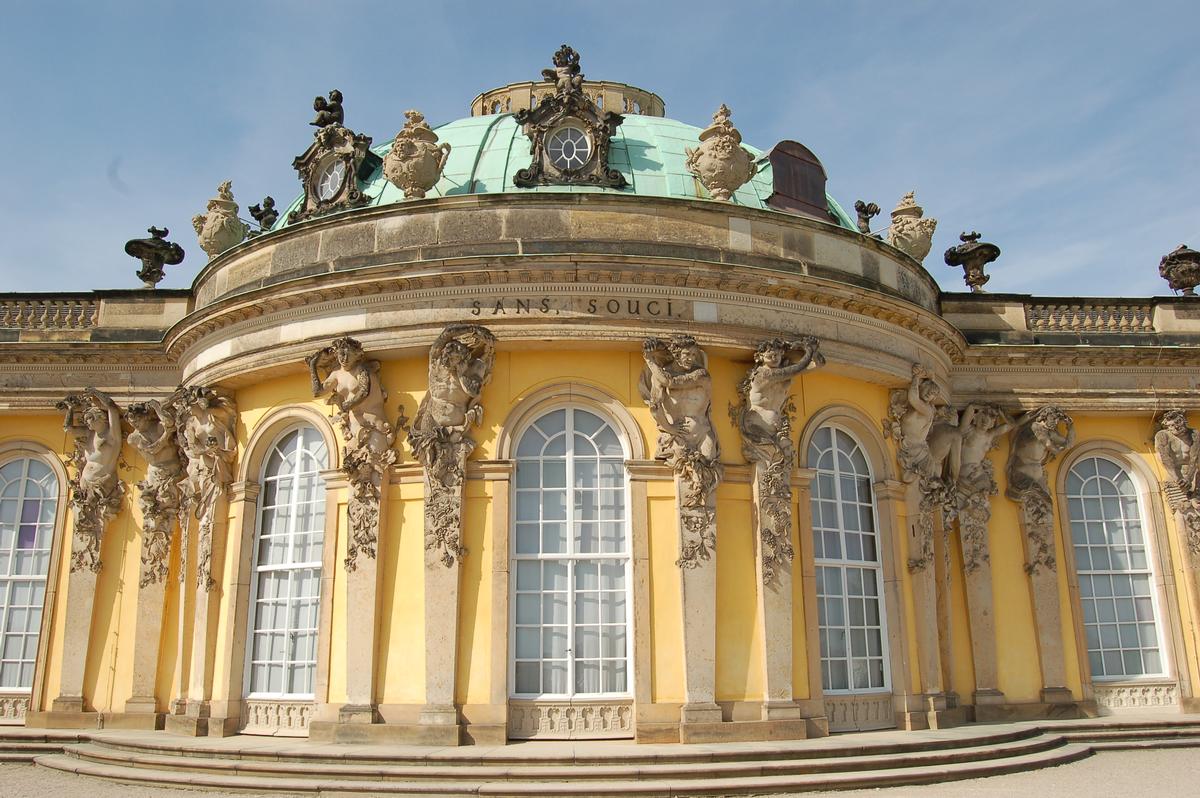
point(1129, 774)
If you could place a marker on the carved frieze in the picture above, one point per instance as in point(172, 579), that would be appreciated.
point(677, 387)
point(351, 380)
point(277, 718)
point(333, 164)
point(416, 160)
point(575, 720)
point(460, 365)
point(763, 414)
point(94, 422)
point(159, 495)
point(1036, 439)
point(569, 136)
point(721, 163)
point(206, 421)
point(910, 231)
point(13, 708)
point(219, 227)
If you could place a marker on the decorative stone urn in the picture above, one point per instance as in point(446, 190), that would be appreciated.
point(415, 161)
point(721, 163)
point(972, 255)
point(219, 228)
point(1181, 269)
point(910, 232)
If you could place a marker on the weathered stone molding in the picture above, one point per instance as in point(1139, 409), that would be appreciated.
point(352, 383)
point(570, 720)
point(13, 708)
point(859, 712)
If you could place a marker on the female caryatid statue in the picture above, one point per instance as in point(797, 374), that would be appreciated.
point(678, 389)
point(159, 495)
point(764, 417)
point(94, 422)
point(1036, 440)
point(1178, 448)
point(350, 379)
point(460, 365)
point(206, 421)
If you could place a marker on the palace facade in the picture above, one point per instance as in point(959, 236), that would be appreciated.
point(567, 420)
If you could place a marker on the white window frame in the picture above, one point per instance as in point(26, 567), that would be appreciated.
point(571, 558)
point(53, 494)
point(842, 564)
point(256, 569)
point(1164, 651)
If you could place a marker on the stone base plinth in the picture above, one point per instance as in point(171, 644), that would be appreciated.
point(484, 734)
point(988, 697)
point(148, 721)
point(186, 725)
point(358, 714)
point(224, 727)
point(948, 718)
point(1005, 713)
point(62, 719)
point(387, 733)
point(1057, 695)
point(699, 713)
point(740, 731)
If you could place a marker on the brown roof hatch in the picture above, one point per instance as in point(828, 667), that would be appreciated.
point(798, 181)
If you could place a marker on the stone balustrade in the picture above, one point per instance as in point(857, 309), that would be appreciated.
point(48, 314)
point(1090, 316)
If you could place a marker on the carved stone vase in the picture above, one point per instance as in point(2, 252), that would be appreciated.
point(720, 162)
point(219, 227)
point(416, 160)
point(910, 232)
point(1181, 269)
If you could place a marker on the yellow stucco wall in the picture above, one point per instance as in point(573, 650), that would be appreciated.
point(518, 374)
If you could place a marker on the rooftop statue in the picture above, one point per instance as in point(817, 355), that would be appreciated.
point(159, 495)
point(721, 163)
point(565, 76)
point(910, 232)
point(265, 214)
point(1181, 269)
point(219, 227)
point(329, 112)
point(866, 211)
point(972, 255)
point(94, 422)
point(154, 253)
point(416, 160)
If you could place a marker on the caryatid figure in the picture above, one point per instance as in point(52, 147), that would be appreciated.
point(1036, 440)
point(980, 426)
point(155, 437)
point(1178, 448)
point(207, 422)
point(94, 422)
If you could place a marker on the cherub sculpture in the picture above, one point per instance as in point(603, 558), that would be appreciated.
point(265, 214)
point(159, 496)
point(94, 422)
point(329, 112)
point(206, 422)
point(1178, 448)
point(565, 76)
point(763, 414)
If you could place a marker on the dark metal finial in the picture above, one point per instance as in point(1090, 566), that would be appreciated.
point(972, 255)
point(154, 253)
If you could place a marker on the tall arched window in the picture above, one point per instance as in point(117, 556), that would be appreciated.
point(1116, 578)
point(571, 579)
point(849, 574)
point(289, 544)
point(28, 503)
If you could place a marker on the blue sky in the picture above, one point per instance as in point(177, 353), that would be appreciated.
point(1067, 133)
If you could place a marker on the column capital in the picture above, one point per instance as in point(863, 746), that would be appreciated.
point(491, 469)
point(649, 471)
point(244, 491)
point(892, 489)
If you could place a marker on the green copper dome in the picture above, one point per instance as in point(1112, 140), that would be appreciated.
point(487, 151)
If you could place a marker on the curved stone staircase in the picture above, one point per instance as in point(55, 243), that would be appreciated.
point(593, 769)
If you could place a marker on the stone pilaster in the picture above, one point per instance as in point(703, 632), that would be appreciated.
point(147, 637)
point(81, 591)
point(204, 617)
point(922, 525)
point(362, 627)
point(814, 706)
point(443, 562)
point(1037, 530)
point(973, 517)
point(772, 510)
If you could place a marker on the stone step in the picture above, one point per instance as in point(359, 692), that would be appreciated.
point(500, 770)
point(553, 754)
point(1159, 733)
point(695, 783)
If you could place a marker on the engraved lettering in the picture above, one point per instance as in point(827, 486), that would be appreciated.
point(613, 306)
point(499, 309)
point(475, 307)
point(545, 304)
point(652, 307)
point(591, 306)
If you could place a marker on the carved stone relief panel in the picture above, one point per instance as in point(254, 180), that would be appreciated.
point(570, 720)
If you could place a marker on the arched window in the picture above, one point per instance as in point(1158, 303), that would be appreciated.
point(28, 504)
point(849, 574)
point(1116, 579)
point(571, 566)
point(289, 545)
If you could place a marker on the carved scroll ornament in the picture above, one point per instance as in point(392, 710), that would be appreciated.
point(677, 387)
point(460, 365)
point(94, 422)
point(351, 380)
point(1037, 438)
point(764, 417)
point(206, 420)
point(159, 494)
